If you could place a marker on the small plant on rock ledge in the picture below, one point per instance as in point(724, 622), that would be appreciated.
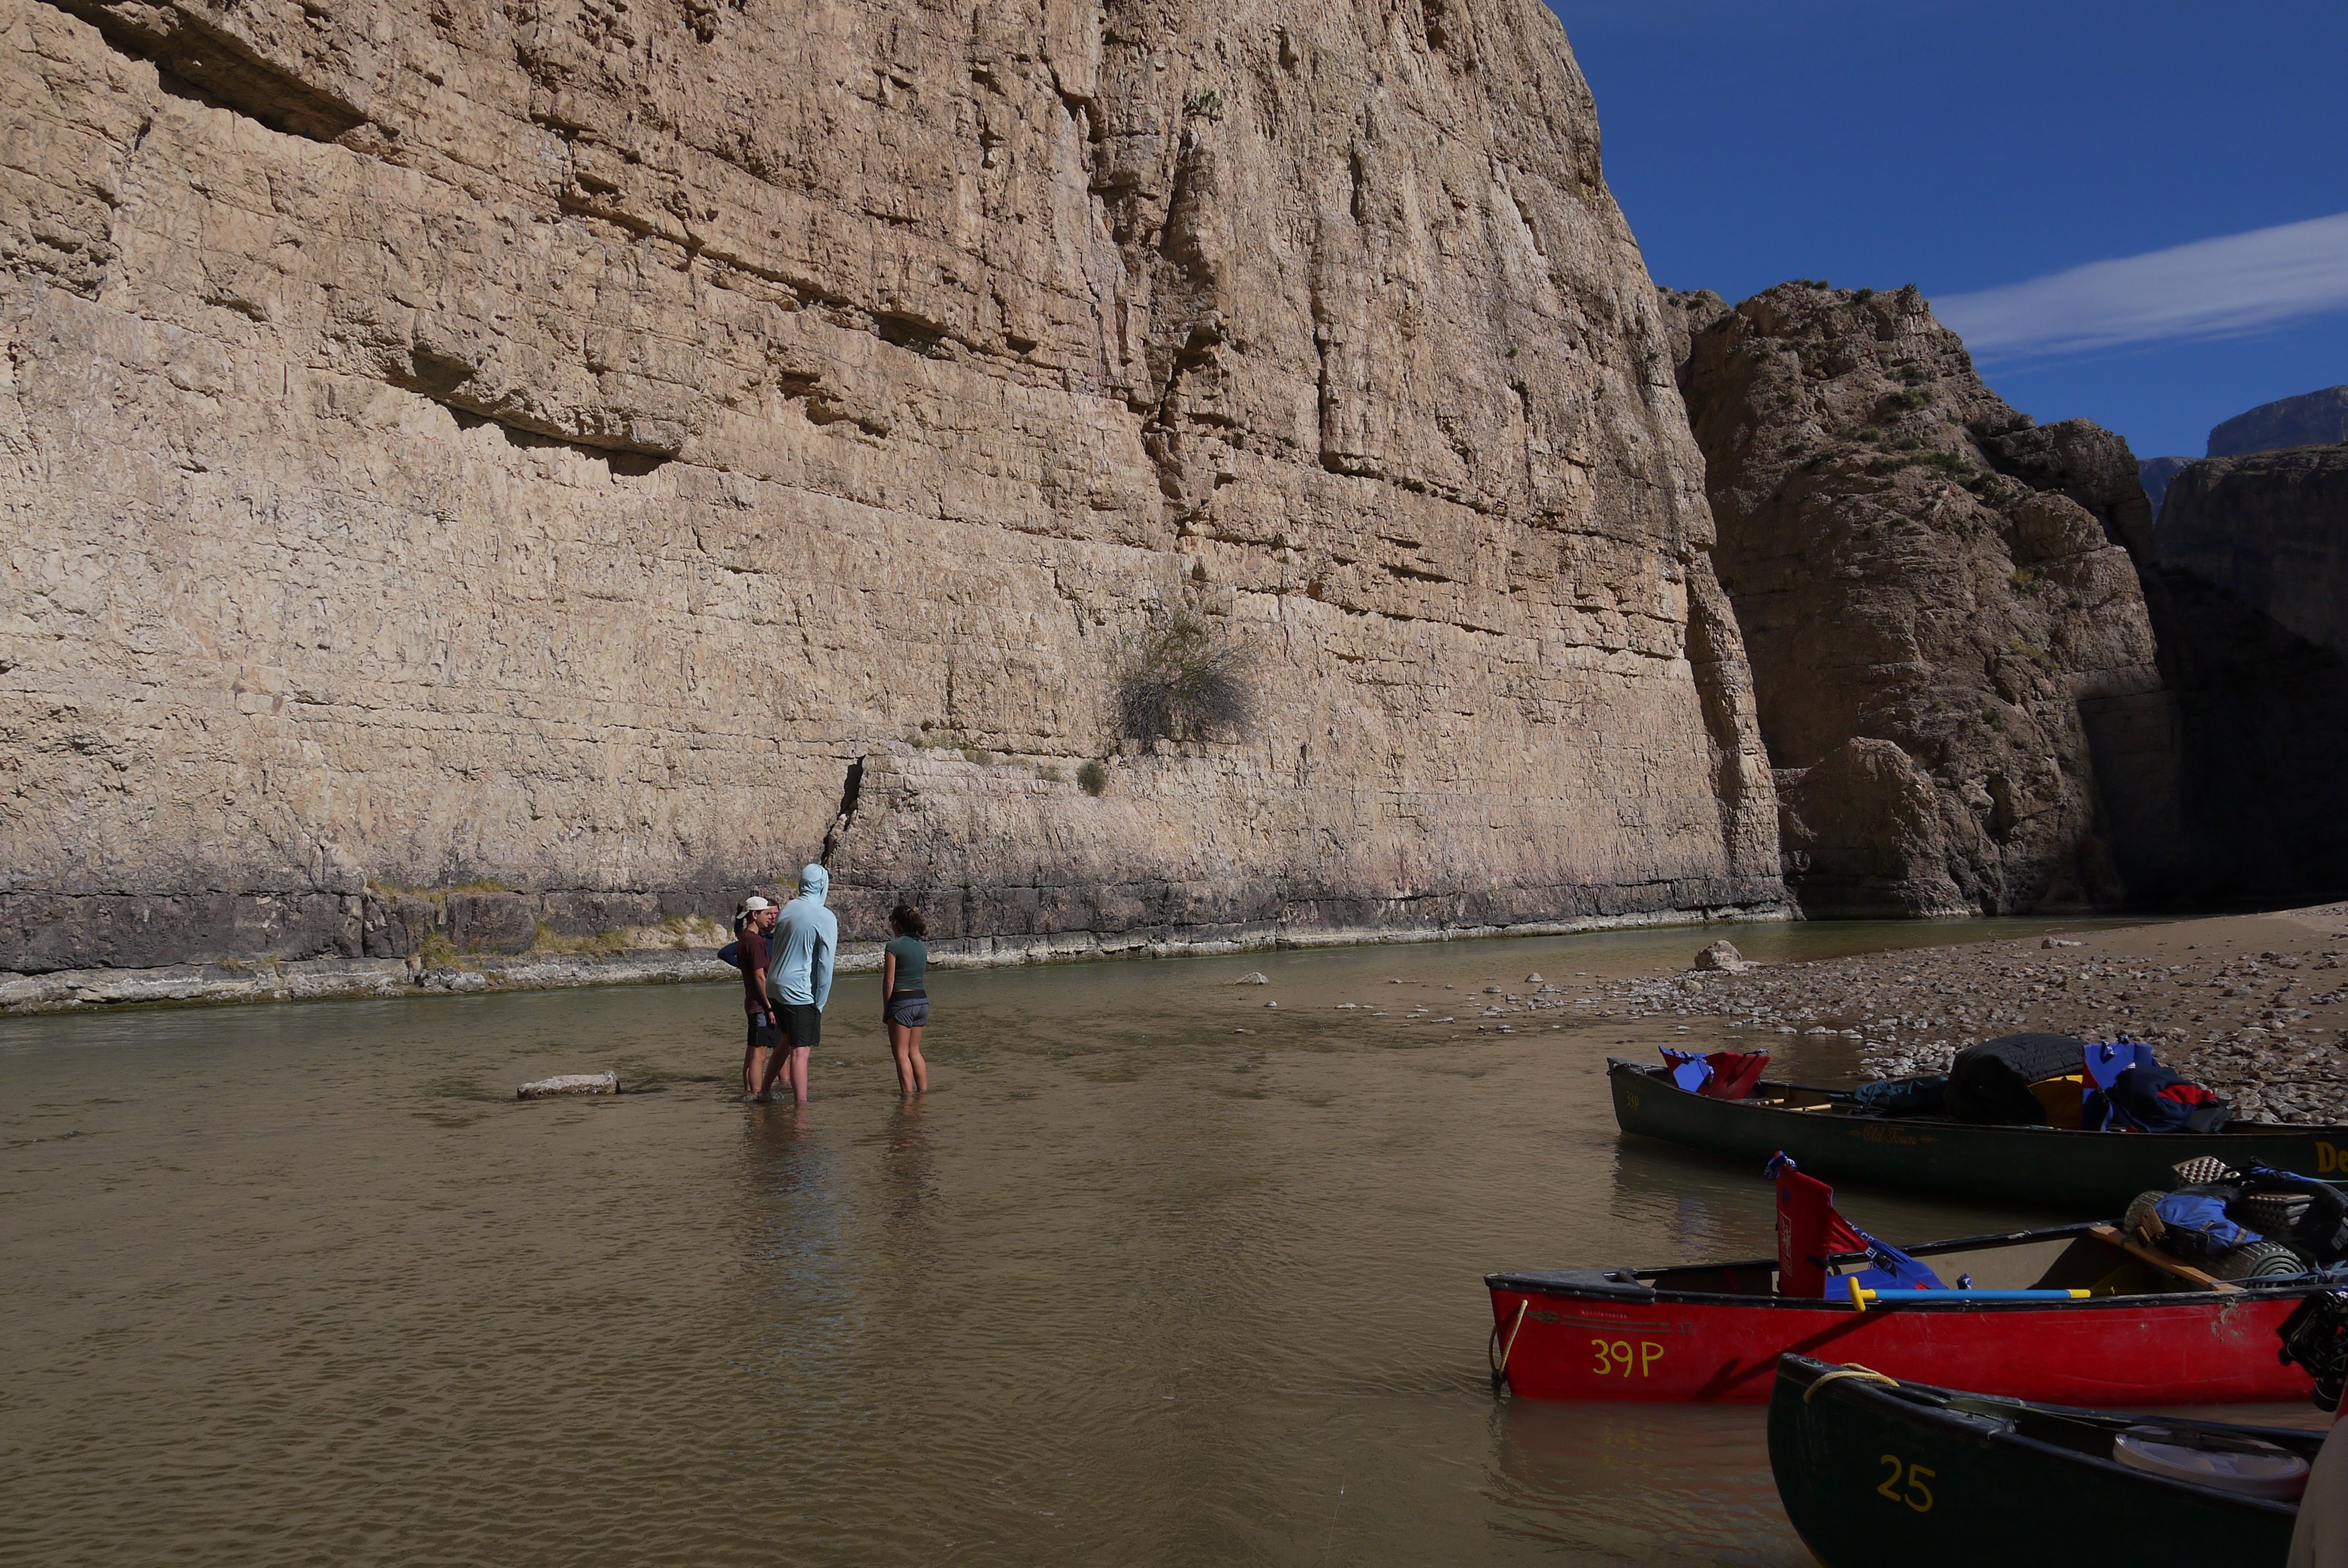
point(1184, 680)
point(1092, 778)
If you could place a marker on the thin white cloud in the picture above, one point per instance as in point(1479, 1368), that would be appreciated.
point(2211, 288)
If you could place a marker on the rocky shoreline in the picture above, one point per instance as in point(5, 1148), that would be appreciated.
point(2255, 1007)
point(316, 980)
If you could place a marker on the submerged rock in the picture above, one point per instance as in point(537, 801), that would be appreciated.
point(570, 1083)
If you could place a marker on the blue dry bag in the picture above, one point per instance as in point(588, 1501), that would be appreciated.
point(2197, 1226)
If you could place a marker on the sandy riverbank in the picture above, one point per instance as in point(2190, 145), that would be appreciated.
point(2254, 1006)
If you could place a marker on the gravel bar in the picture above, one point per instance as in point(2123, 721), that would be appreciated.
point(2253, 1006)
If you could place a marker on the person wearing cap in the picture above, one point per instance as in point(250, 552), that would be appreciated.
point(799, 978)
point(753, 955)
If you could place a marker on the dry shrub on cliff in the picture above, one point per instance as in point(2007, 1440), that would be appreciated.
point(1184, 680)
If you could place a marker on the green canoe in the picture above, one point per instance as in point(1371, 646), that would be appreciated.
point(2090, 1174)
point(1874, 1472)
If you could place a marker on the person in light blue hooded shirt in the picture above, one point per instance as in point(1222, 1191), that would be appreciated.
point(798, 978)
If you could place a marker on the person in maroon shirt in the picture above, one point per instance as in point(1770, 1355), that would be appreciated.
point(757, 920)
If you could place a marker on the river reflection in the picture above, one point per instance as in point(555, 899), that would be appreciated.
point(1159, 1274)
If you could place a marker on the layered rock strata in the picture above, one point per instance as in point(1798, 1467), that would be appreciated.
point(2310, 419)
point(2272, 530)
point(1955, 671)
point(478, 472)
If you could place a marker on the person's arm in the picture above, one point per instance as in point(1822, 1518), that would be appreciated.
point(888, 978)
point(819, 969)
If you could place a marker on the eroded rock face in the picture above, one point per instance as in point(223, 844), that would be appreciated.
point(2273, 529)
point(2310, 419)
point(1955, 668)
point(2243, 583)
point(2156, 472)
point(611, 454)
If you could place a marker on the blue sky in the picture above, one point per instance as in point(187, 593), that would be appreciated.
point(1968, 147)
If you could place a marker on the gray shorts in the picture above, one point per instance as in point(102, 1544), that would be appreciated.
point(909, 1010)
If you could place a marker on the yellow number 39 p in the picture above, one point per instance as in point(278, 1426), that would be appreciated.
point(1917, 1495)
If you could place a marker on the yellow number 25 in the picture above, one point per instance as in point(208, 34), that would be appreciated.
point(1917, 1496)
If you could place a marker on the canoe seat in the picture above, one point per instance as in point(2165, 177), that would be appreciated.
point(2176, 1268)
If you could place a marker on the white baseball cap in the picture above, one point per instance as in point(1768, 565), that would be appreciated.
point(753, 904)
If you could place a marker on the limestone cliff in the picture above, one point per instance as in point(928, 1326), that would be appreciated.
point(2310, 419)
point(2156, 472)
point(572, 460)
point(2273, 529)
point(2244, 582)
point(1956, 674)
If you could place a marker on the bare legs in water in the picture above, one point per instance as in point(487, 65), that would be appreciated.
point(791, 1066)
point(912, 1071)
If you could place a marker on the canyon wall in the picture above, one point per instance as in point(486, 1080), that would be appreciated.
point(1957, 675)
point(2244, 577)
point(2310, 419)
point(475, 472)
point(1988, 680)
point(2273, 529)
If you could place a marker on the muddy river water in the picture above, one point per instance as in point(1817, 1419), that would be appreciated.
point(1156, 1275)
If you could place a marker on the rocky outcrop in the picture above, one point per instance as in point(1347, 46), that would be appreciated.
point(1953, 665)
point(475, 469)
point(2155, 473)
point(2245, 578)
point(2311, 419)
point(2271, 528)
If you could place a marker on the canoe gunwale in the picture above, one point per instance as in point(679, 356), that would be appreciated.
point(1658, 1076)
point(1887, 1403)
point(1551, 1285)
point(1623, 1286)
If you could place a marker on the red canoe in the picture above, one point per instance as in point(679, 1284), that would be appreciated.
point(2149, 1331)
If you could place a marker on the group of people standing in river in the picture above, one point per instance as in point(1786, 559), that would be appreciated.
point(786, 954)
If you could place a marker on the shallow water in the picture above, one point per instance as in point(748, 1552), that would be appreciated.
point(305, 1283)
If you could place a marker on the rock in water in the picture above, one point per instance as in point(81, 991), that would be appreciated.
point(570, 1083)
point(1252, 978)
point(1723, 955)
point(1043, 355)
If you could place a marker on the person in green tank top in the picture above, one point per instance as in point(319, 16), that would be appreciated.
point(905, 998)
